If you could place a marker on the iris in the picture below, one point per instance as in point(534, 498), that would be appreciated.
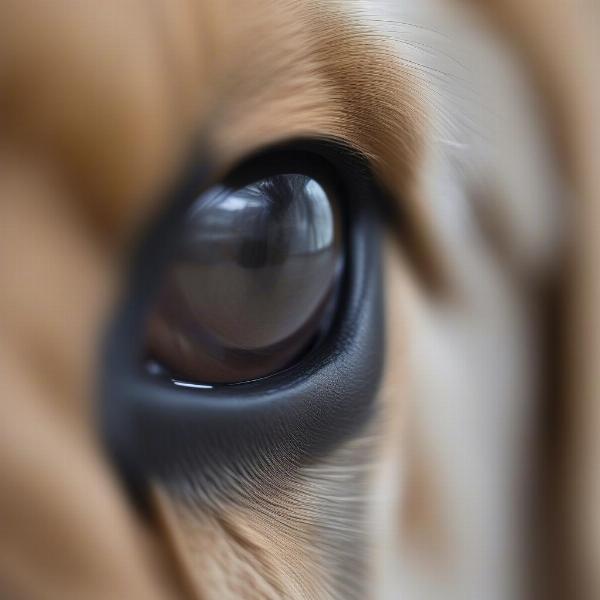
point(253, 281)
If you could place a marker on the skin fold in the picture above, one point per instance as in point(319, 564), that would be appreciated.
point(479, 122)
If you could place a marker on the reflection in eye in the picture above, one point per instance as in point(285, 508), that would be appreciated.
point(252, 284)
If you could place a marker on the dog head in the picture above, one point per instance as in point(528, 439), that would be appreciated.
point(402, 453)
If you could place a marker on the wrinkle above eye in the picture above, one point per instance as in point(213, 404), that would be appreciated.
point(254, 276)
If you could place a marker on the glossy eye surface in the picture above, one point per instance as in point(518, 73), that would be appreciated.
point(252, 283)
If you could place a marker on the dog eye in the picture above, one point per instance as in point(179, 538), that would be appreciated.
point(271, 281)
point(252, 281)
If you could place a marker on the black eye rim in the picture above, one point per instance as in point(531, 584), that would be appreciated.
point(155, 430)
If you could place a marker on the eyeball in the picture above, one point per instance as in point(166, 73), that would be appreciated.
point(252, 283)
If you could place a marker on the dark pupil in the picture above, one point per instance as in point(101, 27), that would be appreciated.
point(252, 282)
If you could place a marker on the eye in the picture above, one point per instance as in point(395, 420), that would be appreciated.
point(252, 281)
point(270, 280)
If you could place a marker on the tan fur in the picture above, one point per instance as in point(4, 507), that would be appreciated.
point(566, 74)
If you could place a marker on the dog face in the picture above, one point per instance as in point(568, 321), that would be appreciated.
point(401, 455)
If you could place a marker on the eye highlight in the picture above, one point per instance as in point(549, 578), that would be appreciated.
point(252, 281)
